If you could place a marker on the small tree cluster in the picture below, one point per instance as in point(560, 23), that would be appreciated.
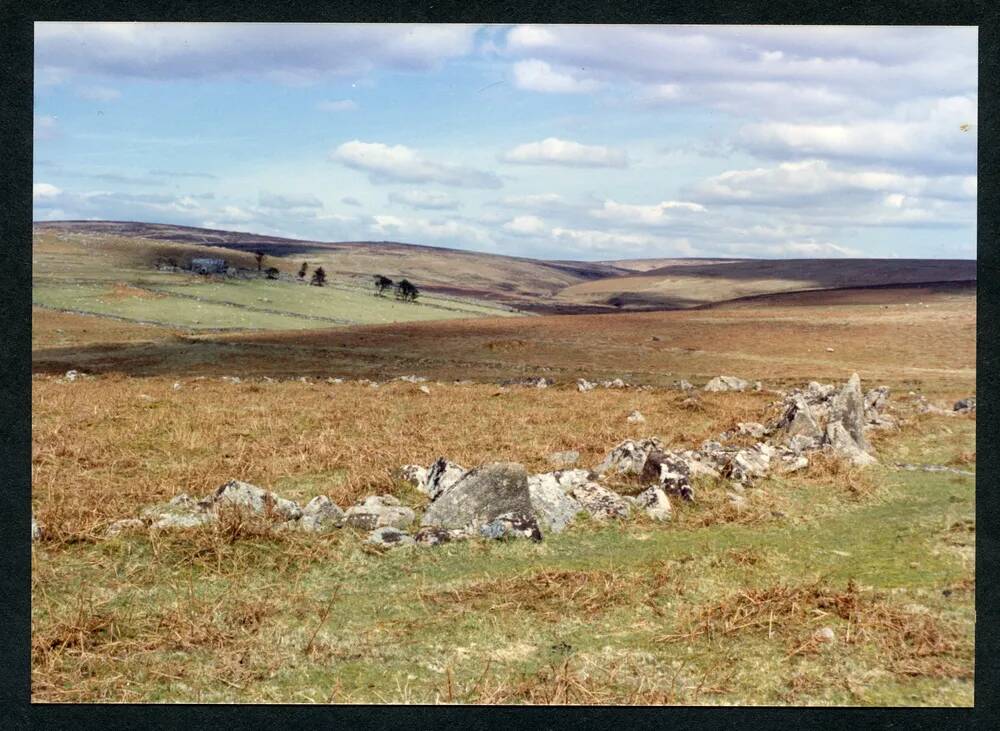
point(382, 283)
point(318, 277)
point(406, 292)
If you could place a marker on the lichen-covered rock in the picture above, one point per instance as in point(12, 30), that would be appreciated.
point(389, 537)
point(441, 476)
point(244, 496)
point(654, 502)
point(378, 511)
point(629, 457)
point(848, 408)
point(414, 475)
point(793, 463)
point(750, 464)
point(799, 420)
point(511, 525)
point(751, 429)
point(965, 405)
point(481, 495)
point(550, 504)
point(668, 471)
point(321, 514)
point(180, 520)
point(431, 535)
point(727, 383)
point(841, 442)
point(601, 503)
point(876, 400)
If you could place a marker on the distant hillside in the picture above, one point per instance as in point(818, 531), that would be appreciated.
point(529, 284)
point(519, 281)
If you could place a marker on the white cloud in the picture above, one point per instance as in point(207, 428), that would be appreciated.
point(287, 202)
point(535, 75)
point(544, 202)
point(422, 231)
point(426, 199)
point(340, 105)
point(809, 249)
point(646, 215)
point(44, 191)
point(923, 134)
point(622, 245)
point(385, 164)
point(525, 226)
point(289, 53)
point(553, 151)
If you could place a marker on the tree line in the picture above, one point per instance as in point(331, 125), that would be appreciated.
point(404, 289)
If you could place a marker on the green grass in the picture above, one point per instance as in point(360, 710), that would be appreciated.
point(314, 619)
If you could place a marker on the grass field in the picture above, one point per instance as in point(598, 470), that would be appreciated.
point(718, 606)
point(112, 276)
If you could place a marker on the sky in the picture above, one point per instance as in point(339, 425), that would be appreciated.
point(583, 142)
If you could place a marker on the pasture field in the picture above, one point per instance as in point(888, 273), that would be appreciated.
point(720, 605)
point(716, 607)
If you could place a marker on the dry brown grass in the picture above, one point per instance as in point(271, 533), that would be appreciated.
point(104, 448)
point(552, 595)
point(909, 643)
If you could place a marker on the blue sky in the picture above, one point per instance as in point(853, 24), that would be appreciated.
point(571, 142)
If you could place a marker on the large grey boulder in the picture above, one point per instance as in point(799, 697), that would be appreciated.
point(378, 511)
point(480, 496)
point(320, 515)
point(253, 499)
point(848, 409)
point(550, 504)
point(629, 457)
point(727, 383)
point(441, 476)
point(601, 503)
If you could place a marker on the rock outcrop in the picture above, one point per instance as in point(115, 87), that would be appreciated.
point(480, 496)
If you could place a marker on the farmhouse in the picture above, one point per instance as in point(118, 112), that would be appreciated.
point(208, 266)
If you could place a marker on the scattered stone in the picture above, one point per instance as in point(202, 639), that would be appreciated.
point(965, 405)
point(564, 459)
point(334, 381)
point(636, 417)
point(412, 379)
point(36, 530)
point(321, 514)
point(176, 386)
point(684, 385)
point(601, 503)
point(480, 496)
point(72, 375)
point(431, 535)
point(170, 521)
point(751, 429)
point(441, 476)
point(424, 389)
point(511, 525)
point(829, 350)
point(727, 383)
point(629, 457)
point(793, 463)
point(799, 421)
point(824, 634)
point(389, 537)
point(582, 384)
point(669, 472)
point(126, 525)
point(848, 408)
point(550, 504)
point(245, 496)
point(616, 383)
point(840, 440)
point(654, 502)
point(378, 511)
point(737, 500)
point(414, 475)
point(748, 465)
